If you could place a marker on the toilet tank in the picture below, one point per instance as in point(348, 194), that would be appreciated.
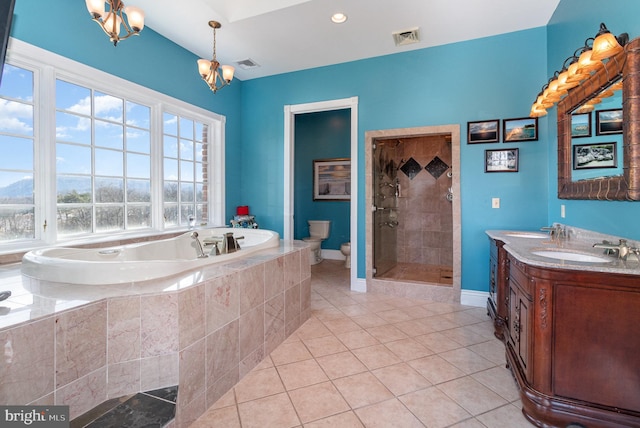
point(319, 228)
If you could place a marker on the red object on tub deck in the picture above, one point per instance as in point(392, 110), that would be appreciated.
point(242, 210)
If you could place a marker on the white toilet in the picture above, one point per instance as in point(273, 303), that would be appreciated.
point(345, 249)
point(319, 231)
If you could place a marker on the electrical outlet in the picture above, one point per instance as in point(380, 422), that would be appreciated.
point(495, 202)
point(563, 211)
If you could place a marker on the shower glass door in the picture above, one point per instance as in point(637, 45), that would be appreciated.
point(385, 201)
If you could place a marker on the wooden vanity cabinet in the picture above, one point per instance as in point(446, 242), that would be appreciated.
point(572, 342)
point(497, 301)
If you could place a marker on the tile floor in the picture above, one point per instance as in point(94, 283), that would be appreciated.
point(435, 274)
point(371, 360)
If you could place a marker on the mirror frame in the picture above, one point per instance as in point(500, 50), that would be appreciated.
point(625, 187)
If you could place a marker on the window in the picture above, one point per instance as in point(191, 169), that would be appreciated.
point(102, 156)
point(17, 113)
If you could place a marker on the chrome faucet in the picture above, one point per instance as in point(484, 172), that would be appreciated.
point(199, 250)
point(622, 250)
point(228, 243)
point(555, 231)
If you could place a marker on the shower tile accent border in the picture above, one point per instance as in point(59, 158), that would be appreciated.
point(202, 331)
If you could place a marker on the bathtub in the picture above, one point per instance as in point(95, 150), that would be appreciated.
point(139, 262)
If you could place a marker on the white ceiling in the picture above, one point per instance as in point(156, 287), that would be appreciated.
point(290, 35)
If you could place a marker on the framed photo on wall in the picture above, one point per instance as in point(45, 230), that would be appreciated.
point(332, 179)
point(581, 125)
point(487, 131)
point(520, 129)
point(609, 121)
point(596, 155)
point(502, 160)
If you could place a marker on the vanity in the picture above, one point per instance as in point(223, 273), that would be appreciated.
point(569, 316)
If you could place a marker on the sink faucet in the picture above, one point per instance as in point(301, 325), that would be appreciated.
point(622, 250)
point(199, 250)
point(555, 231)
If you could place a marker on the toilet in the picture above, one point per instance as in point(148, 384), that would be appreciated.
point(345, 249)
point(318, 231)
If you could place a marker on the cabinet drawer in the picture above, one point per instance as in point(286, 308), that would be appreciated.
point(518, 275)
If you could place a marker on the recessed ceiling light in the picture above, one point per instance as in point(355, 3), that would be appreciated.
point(339, 18)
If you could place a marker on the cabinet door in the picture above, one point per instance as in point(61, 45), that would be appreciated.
point(518, 323)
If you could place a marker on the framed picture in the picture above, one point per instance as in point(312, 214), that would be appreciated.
point(502, 160)
point(332, 180)
point(581, 125)
point(487, 131)
point(520, 129)
point(609, 121)
point(596, 155)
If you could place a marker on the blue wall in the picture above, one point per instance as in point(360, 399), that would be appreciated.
point(489, 78)
point(320, 135)
point(572, 23)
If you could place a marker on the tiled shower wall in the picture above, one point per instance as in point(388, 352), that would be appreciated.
point(425, 229)
point(203, 338)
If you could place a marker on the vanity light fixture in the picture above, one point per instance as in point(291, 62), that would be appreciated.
point(111, 20)
point(578, 67)
point(338, 18)
point(210, 70)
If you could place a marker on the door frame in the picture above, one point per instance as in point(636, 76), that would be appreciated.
point(290, 112)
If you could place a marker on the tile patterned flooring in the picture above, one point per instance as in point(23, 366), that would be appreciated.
point(372, 360)
point(433, 274)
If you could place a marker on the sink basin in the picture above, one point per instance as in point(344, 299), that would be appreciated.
point(534, 235)
point(572, 256)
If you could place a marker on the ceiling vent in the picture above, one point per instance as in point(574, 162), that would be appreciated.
point(247, 64)
point(406, 37)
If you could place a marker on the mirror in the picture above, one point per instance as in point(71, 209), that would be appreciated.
point(625, 183)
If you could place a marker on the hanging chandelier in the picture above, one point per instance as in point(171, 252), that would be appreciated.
point(110, 21)
point(210, 70)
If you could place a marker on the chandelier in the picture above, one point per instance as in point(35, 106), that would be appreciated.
point(110, 21)
point(209, 70)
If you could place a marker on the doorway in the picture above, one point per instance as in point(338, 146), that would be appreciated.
point(413, 234)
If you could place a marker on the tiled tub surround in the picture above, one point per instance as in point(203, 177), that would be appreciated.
point(202, 330)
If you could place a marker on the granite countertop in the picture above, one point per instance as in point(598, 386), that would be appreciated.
point(523, 244)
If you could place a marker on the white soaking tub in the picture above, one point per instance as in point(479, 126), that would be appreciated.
point(142, 261)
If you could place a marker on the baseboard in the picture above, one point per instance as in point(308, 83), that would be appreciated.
point(332, 255)
point(474, 298)
point(359, 285)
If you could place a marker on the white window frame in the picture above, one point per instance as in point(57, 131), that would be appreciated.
point(47, 67)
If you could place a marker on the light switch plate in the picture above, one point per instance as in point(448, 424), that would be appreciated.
point(495, 202)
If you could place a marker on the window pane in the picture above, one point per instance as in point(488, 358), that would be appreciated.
point(200, 151)
point(199, 217)
point(171, 215)
point(186, 211)
point(73, 128)
point(138, 115)
point(16, 117)
point(17, 223)
point(109, 190)
point(109, 135)
point(170, 169)
point(17, 153)
point(138, 166)
point(16, 188)
point(138, 140)
point(186, 128)
point(74, 220)
point(198, 176)
point(170, 147)
point(109, 218)
point(170, 191)
point(186, 192)
point(138, 191)
point(73, 189)
point(186, 171)
point(109, 162)
point(108, 107)
point(73, 98)
point(199, 193)
point(17, 83)
point(186, 149)
point(138, 217)
point(200, 131)
point(170, 124)
point(73, 159)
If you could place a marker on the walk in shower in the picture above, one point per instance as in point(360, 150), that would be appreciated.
point(412, 190)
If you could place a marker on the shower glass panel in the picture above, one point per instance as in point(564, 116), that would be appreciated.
point(385, 201)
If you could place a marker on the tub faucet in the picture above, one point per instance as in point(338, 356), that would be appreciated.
point(199, 250)
point(622, 250)
point(230, 243)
